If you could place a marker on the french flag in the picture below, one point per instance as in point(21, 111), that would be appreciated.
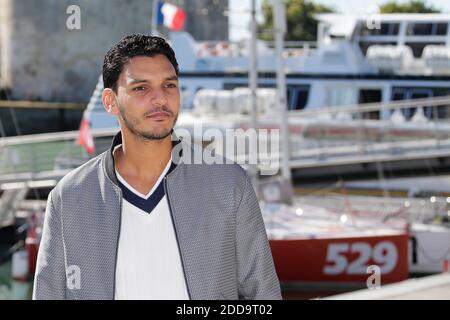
point(85, 138)
point(171, 16)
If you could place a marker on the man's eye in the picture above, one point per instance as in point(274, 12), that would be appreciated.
point(139, 88)
point(171, 85)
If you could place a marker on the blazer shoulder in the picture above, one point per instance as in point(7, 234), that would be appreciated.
point(79, 177)
point(216, 165)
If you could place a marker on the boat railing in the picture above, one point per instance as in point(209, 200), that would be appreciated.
point(366, 133)
point(414, 209)
point(240, 48)
point(376, 106)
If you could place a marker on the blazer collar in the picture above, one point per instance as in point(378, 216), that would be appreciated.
point(109, 159)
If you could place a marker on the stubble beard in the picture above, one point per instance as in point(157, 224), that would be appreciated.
point(144, 135)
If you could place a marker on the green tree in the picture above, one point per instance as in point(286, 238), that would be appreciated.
point(414, 6)
point(301, 25)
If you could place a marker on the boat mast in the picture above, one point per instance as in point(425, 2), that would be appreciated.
point(253, 74)
point(280, 30)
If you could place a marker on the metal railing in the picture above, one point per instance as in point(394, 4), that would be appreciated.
point(342, 135)
point(316, 140)
point(46, 156)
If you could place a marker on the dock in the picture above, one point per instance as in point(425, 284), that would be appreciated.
point(434, 287)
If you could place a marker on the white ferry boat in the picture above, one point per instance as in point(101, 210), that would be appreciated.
point(354, 61)
point(408, 57)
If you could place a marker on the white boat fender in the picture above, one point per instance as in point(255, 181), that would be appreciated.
point(19, 266)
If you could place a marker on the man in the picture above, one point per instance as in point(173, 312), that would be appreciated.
point(136, 222)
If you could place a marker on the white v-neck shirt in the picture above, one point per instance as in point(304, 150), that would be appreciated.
point(148, 259)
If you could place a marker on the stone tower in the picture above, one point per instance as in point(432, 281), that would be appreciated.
point(41, 59)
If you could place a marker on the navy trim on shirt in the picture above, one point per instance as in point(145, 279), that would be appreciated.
point(149, 204)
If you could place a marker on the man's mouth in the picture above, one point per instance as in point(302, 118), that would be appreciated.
point(158, 116)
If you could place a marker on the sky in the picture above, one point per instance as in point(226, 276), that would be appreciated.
point(240, 14)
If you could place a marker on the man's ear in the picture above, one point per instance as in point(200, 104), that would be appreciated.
point(109, 99)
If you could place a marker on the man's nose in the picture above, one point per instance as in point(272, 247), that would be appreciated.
point(158, 97)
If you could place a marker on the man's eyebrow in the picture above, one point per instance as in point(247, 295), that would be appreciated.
point(174, 77)
point(136, 81)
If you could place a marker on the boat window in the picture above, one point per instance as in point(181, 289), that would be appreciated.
point(420, 29)
point(410, 94)
point(420, 94)
point(297, 97)
point(443, 111)
point(426, 29)
point(288, 97)
point(441, 29)
point(393, 29)
point(302, 100)
point(399, 94)
point(370, 96)
point(231, 86)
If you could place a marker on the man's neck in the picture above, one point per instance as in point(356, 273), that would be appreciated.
point(137, 156)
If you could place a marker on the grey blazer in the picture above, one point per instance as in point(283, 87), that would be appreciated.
point(217, 220)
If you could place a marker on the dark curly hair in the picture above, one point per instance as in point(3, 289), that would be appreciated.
point(133, 46)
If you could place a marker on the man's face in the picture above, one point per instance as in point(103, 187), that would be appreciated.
point(148, 97)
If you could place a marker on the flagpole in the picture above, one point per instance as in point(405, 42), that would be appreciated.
point(253, 75)
point(154, 26)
